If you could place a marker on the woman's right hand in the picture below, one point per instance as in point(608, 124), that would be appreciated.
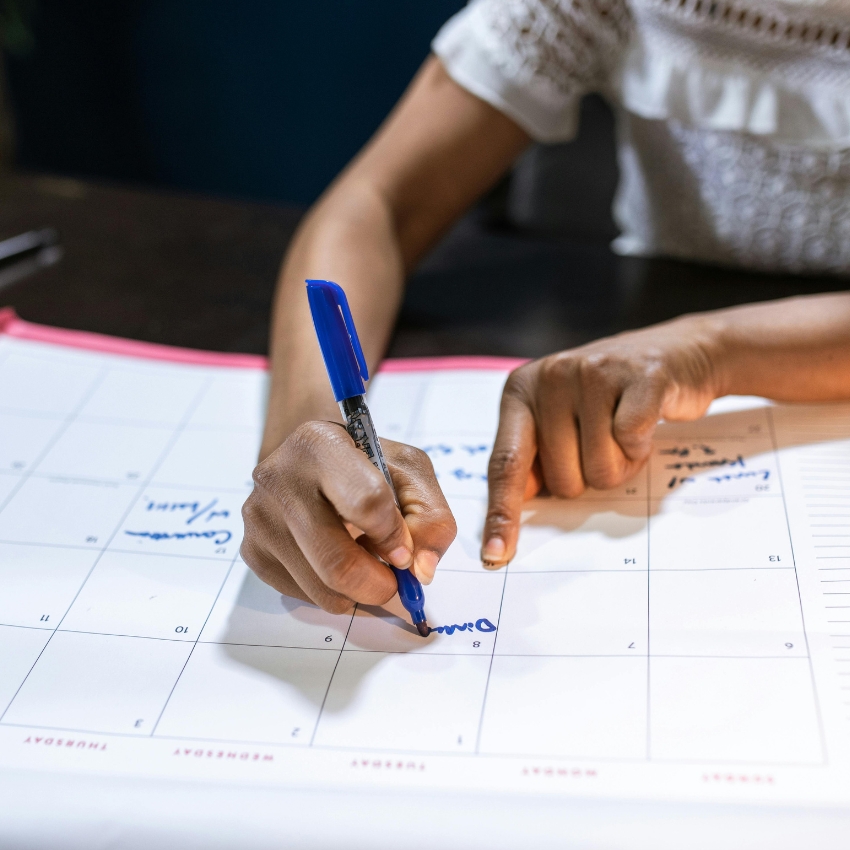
point(316, 486)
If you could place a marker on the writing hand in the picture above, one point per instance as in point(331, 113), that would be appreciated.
point(316, 486)
point(585, 418)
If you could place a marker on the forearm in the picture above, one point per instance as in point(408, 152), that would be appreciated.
point(349, 237)
point(439, 150)
point(796, 349)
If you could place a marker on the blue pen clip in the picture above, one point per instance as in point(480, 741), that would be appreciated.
point(338, 340)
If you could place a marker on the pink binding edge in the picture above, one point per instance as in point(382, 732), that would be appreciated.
point(12, 325)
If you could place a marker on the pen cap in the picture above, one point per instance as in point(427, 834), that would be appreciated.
point(337, 338)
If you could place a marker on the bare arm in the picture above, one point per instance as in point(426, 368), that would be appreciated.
point(439, 150)
point(585, 418)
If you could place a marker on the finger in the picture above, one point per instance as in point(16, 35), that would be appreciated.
point(361, 496)
point(341, 564)
point(534, 483)
point(510, 463)
point(603, 463)
point(271, 552)
point(636, 418)
point(558, 437)
point(423, 505)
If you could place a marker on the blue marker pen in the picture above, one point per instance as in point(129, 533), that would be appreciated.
point(347, 371)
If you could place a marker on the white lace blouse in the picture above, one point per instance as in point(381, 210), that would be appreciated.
point(733, 116)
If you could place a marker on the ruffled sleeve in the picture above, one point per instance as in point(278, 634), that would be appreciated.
point(778, 70)
point(534, 59)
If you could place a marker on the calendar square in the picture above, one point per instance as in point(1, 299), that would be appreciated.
point(734, 709)
point(99, 683)
point(726, 612)
point(558, 535)
point(40, 582)
point(165, 596)
point(232, 402)
point(210, 459)
point(40, 384)
point(462, 609)
point(248, 611)
point(404, 701)
point(468, 399)
point(23, 439)
point(106, 451)
point(19, 650)
point(8, 482)
point(571, 707)
point(170, 521)
point(460, 462)
point(573, 613)
point(65, 512)
point(393, 402)
point(262, 694)
point(737, 533)
point(713, 468)
point(465, 552)
point(160, 395)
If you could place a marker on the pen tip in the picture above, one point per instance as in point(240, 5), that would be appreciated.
point(423, 629)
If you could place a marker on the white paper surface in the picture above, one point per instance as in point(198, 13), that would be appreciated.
point(683, 637)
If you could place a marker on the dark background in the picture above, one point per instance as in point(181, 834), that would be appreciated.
point(261, 99)
point(176, 143)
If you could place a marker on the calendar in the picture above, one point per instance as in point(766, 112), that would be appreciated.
point(685, 636)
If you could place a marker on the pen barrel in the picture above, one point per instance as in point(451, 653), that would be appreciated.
point(358, 423)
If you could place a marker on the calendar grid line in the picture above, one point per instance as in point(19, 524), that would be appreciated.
point(490, 666)
point(96, 381)
point(194, 644)
point(818, 712)
point(524, 756)
point(141, 487)
point(331, 679)
point(63, 427)
point(713, 630)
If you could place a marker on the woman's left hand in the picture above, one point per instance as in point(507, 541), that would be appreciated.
point(586, 417)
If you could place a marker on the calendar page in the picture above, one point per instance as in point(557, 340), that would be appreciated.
point(684, 636)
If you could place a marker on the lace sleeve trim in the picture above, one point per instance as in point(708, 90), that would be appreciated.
point(726, 72)
point(534, 59)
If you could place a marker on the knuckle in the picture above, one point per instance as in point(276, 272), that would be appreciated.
point(633, 435)
point(558, 369)
point(407, 455)
point(594, 370)
point(566, 488)
point(603, 476)
point(371, 497)
point(340, 573)
point(444, 531)
point(334, 603)
point(264, 474)
point(504, 463)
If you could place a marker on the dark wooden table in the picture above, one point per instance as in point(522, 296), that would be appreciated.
point(200, 272)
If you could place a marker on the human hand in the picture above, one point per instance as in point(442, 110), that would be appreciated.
point(586, 417)
point(316, 486)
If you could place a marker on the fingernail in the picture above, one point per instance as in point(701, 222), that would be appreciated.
point(401, 557)
point(425, 565)
point(494, 550)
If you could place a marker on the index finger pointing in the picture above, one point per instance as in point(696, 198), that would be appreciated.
point(513, 454)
